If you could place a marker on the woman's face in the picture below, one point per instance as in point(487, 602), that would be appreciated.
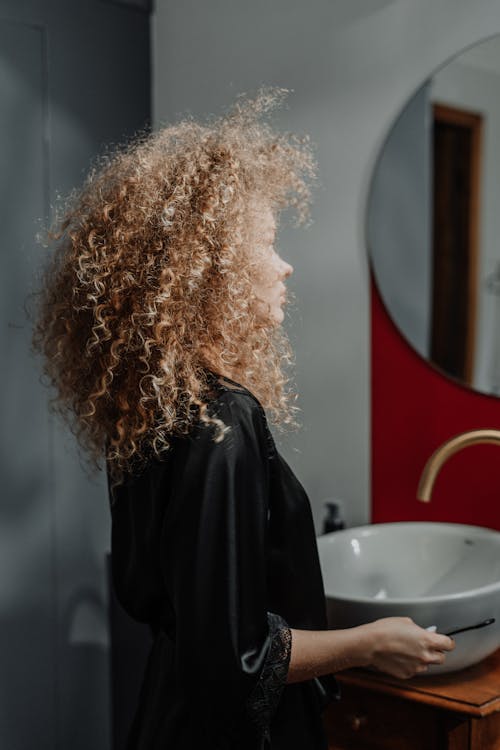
point(270, 269)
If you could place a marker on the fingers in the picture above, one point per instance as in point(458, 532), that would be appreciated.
point(404, 649)
point(435, 657)
point(422, 668)
point(439, 642)
point(442, 642)
point(430, 659)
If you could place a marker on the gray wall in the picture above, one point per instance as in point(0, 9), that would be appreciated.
point(353, 64)
point(73, 77)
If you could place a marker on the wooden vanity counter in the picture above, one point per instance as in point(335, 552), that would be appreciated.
point(457, 711)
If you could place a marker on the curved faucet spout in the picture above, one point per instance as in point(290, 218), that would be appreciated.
point(443, 453)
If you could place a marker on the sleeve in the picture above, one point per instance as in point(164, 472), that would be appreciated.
point(231, 654)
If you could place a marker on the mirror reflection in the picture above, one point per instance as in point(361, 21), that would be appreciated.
point(433, 219)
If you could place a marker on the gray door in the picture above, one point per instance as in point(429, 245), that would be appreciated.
point(73, 77)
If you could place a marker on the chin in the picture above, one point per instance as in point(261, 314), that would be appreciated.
point(272, 317)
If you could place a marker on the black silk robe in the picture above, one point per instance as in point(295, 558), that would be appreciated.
point(215, 547)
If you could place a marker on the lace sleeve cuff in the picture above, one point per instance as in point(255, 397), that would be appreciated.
point(263, 700)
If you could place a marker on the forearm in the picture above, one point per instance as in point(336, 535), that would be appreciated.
point(318, 652)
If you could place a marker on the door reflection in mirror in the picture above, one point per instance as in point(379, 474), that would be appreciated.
point(433, 219)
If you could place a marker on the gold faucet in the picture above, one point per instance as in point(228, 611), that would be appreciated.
point(443, 453)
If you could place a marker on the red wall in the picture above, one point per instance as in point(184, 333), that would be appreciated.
point(414, 410)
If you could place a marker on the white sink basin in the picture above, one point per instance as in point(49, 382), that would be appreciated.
point(440, 574)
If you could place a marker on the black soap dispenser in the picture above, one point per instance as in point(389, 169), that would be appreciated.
point(333, 520)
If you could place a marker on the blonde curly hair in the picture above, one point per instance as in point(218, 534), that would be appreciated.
point(150, 284)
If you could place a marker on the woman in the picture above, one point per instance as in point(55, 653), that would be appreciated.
point(160, 322)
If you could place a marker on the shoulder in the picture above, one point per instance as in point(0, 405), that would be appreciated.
point(242, 415)
point(247, 439)
point(233, 401)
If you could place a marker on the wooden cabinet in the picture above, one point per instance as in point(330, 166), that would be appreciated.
point(459, 711)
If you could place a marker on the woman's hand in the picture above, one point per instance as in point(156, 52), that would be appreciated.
point(395, 645)
point(399, 647)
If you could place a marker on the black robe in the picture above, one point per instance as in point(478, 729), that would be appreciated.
point(215, 547)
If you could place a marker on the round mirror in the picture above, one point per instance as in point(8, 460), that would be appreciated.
point(433, 223)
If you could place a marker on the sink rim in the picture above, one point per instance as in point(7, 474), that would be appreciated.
point(406, 601)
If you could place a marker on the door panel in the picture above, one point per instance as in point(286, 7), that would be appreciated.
point(27, 677)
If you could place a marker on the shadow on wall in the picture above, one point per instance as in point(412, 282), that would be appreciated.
point(85, 652)
point(130, 644)
point(31, 676)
